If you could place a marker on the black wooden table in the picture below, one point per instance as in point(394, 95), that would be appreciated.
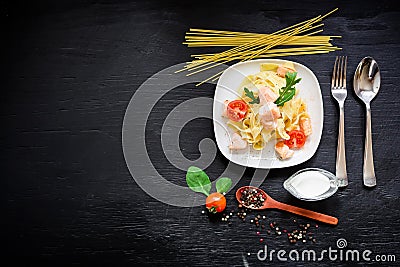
point(70, 69)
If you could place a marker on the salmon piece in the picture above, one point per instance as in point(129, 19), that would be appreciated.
point(237, 143)
point(281, 71)
point(266, 95)
point(225, 109)
point(283, 150)
point(269, 113)
point(305, 126)
point(269, 125)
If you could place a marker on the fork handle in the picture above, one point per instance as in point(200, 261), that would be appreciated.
point(341, 172)
point(368, 169)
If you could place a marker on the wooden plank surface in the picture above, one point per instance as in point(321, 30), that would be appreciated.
point(70, 69)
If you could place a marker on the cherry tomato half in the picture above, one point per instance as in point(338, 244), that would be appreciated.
point(297, 139)
point(237, 109)
point(216, 202)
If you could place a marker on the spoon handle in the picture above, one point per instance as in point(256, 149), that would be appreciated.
point(368, 169)
point(306, 213)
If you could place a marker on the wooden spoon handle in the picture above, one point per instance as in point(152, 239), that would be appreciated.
point(306, 213)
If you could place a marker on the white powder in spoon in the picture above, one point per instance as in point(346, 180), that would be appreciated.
point(311, 183)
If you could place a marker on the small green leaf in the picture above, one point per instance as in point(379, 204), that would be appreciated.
point(198, 180)
point(223, 184)
point(250, 94)
point(286, 93)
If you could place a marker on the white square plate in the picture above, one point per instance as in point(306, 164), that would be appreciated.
point(227, 87)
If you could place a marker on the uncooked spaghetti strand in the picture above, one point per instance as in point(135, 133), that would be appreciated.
point(282, 38)
point(210, 78)
point(322, 43)
point(235, 42)
point(293, 40)
point(219, 56)
point(232, 53)
point(316, 19)
point(245, 33)
point(244, 46)
point(215, 77)
point(294, 49)
point(209, 67)
point(259, 43)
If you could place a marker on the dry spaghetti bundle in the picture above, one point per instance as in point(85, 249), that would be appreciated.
point(298, 39)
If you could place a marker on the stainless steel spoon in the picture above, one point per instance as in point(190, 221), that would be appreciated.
point(367, 80)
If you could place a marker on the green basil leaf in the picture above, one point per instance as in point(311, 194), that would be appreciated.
point(198, 180)
point(250, 94)
point(223, 184)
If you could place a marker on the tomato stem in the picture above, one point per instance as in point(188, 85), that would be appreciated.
point(212, 209)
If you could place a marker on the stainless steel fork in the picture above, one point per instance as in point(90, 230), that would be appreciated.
point(339, 92)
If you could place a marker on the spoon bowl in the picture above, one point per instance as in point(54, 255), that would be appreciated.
point(270, 203)
point(367, 81)
point(266, 198)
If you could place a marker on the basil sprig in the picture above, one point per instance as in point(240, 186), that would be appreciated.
point(198, 181)
point(223, 184)
point(286, 93)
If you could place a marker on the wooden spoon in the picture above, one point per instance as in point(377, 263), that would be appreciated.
point(270, 203)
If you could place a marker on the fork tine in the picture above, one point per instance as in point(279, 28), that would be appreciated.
point(338, 78)
point(345, 67)
point(334, 74)
point(341, 72)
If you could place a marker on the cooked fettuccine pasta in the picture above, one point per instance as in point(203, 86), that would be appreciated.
point(269, 108)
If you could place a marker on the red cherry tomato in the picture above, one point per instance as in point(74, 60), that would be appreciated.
point(237, 109)
point(216, 202)
point(297, 139)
